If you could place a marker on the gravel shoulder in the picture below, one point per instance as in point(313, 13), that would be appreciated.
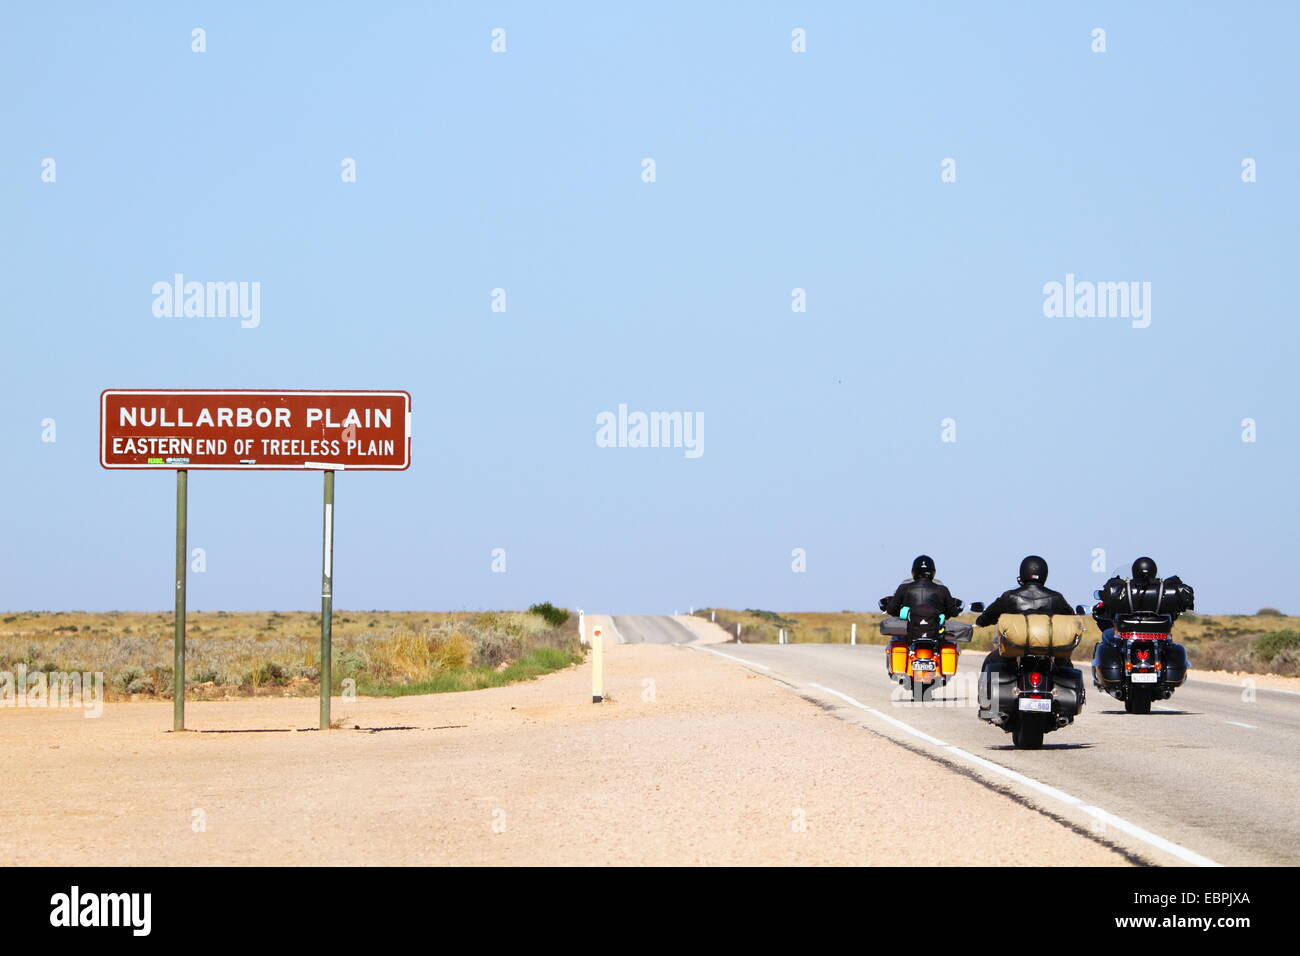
point(693, 761)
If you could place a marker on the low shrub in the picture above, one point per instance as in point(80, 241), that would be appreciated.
point(1268, 647)
point(552, 615)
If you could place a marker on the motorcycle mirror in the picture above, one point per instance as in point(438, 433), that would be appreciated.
point(1097, 595)
point(883, 603)
point(977, 607)
point(1079, 609)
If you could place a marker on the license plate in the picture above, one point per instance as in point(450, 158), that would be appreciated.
point(1041, 704)
point(923, 665)
point(1149, 677)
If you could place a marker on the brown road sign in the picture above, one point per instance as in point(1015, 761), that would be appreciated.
point(255, 429)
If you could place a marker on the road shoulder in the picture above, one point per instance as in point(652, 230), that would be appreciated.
point(693, 760)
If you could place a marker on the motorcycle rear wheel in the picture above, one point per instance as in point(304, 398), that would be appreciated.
point(922, 692)
point(1027, 734)
point(1137, 701)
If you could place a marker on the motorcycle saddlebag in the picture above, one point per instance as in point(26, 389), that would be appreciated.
point(1107, 666)
point(958, 630)
point(896, 658)
point(996, 690)
point(893, 627)
point(1069, 690)
point(947, 659)
point(1175, 661)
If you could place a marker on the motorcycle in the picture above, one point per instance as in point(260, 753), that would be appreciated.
point(1138, 662)
point(922, 652)
point(1030, 691)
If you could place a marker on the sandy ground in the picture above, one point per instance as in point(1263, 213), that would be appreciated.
point(693, 761)
point(1244, 679)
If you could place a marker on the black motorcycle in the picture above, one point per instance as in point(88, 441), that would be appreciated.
point(1030, 695)
point(1138, 662)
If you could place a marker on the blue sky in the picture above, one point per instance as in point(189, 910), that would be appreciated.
point(775, 170)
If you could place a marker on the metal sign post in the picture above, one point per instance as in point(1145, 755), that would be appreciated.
point(182, 554)
point(243, 429)
point(327, 605)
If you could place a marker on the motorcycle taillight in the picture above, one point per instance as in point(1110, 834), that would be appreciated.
point(1143, 635)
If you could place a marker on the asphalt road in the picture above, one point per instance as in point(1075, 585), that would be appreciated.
point(647, 629)
point(1211, 773)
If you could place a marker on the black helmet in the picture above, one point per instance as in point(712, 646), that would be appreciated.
point(923, 567)
point(1033, 570)
point(1144, 569)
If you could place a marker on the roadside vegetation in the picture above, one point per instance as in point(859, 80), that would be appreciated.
point(278, 653)
point(1263, 643)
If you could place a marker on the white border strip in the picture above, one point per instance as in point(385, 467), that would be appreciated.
point(730, 657)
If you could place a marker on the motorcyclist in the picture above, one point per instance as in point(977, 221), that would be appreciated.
point(1031, 597)
point(923, 589)
point(1142, 592)
point(997, 688)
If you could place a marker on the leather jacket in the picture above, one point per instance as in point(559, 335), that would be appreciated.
point(1026, 599)
point(919, 591)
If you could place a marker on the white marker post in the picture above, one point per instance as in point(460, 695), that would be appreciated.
point(582, 635)
point(780, 636)
point(597, 665)
point(853, 634)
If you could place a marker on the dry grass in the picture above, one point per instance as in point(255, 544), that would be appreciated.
point(254, 653)
point(1251, 643)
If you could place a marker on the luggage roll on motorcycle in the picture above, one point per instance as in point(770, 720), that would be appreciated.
point(1027, 686)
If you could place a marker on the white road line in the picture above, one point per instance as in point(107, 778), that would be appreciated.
point(1146, 836)
point(1133, 830)
point(885, 717)
point(1019, 778)
point(730, 657)
point(1237, 723)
